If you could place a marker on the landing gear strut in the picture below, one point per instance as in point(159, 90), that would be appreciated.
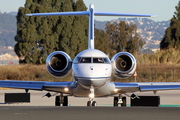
point(120, 100)
point(91, 101)
point(61, 100)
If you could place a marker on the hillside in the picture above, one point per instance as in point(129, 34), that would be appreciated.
point(151, 31)
point(7, 29)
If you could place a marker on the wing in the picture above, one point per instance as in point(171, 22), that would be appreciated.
point(147, 86)
point(155, 86)
point(37, 85)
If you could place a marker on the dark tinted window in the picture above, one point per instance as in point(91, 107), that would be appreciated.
point(98, 60)
point(77, 60)
point(85, 60)
point(106, 60)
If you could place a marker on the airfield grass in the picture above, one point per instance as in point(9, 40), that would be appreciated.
point(146, 73)
point(28, 72)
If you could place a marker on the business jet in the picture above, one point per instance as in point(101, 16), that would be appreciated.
point(91, 70)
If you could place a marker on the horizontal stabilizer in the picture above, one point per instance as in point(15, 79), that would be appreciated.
point(96, 13)
point(60, 13)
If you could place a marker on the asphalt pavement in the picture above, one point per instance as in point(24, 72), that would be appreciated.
point(88, 113)
point(42, 108)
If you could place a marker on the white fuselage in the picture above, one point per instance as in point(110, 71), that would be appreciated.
point(92, 68)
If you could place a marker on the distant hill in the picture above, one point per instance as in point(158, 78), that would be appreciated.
point(151, 31)
point(13, 13)
point(7, 29)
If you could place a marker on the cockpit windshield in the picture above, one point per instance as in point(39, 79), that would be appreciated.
point(85, 60)
point(106, 60)
point(98, 60)
point(92, 60)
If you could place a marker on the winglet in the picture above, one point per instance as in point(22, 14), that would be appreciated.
point(153, 15)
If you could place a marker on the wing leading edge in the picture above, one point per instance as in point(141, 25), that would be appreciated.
point(147, 86)
point(154, 86)
point(36, 85)
point(87, 13)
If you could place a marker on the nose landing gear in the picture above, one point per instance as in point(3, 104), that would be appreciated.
point(91, 101)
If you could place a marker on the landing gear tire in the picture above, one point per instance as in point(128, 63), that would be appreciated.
point(116, 101)
point(124, 102)
point(94, 103)
point(61, 101)
point(57, 101)
point(89, 103)
point(65, 103)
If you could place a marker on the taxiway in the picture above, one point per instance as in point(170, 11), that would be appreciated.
point(42, 108)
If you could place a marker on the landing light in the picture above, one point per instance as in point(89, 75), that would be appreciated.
point(66, 89)
point(115, 90)
point(91, 95)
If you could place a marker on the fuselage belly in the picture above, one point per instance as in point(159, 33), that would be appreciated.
point(105, 90)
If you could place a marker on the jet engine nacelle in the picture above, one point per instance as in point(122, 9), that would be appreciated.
point(124, 64)
point(59, 64)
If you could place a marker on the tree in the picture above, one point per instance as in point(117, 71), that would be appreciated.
point(101, 41)
point(79, 39)
point(38, 36)
point(123, 37)
point(171, 38)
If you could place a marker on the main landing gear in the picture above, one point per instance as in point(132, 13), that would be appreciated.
point(61, 100)
point(120, 100)
point(91, 101)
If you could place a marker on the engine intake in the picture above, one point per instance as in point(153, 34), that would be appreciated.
point(124, 64)
point(58, 64)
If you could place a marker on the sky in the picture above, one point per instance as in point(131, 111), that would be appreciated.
point(164, 9)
